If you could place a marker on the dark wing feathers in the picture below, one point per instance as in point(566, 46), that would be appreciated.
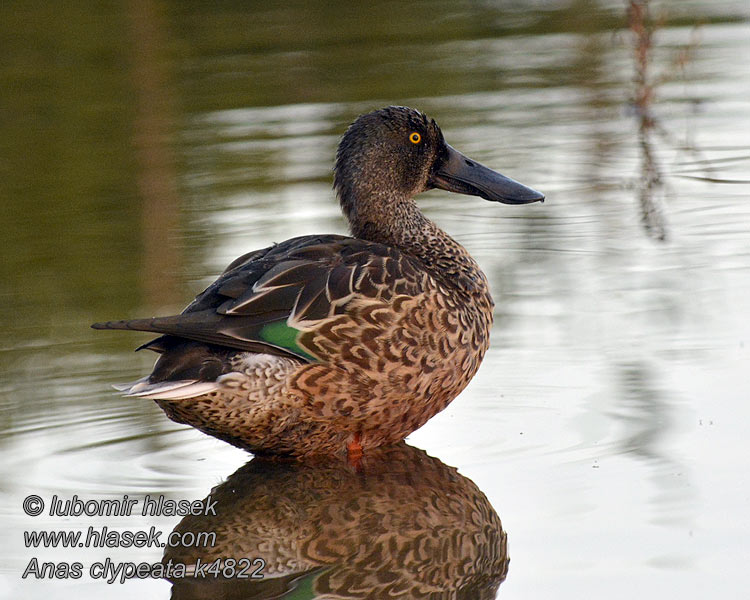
point(203, 326)
point(302, 280)
point(261, 302)
point(340, 283)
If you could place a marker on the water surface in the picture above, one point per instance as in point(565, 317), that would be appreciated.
point(145, 145)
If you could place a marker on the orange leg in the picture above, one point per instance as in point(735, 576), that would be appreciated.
point(354, 448)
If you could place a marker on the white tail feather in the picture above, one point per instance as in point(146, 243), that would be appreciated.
point(167, 390)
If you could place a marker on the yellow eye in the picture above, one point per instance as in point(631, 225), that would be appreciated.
point(415, 138)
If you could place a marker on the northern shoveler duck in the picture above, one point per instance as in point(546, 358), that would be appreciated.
point(328, 343)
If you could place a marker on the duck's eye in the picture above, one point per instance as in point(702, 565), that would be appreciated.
point(415, 138)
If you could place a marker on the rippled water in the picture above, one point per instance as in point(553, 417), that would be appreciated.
point(144, 146)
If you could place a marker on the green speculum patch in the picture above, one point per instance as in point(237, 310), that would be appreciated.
point(282, 335)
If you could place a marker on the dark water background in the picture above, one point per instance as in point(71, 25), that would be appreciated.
point(145, 144)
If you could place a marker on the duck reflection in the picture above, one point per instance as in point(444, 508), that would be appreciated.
point(400, 524)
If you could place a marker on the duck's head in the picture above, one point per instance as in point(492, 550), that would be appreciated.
point(394, 153)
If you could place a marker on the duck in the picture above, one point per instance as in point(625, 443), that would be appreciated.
point(405, 526)
point(332, 344)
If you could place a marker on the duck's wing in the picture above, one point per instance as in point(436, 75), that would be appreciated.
point(268, 299)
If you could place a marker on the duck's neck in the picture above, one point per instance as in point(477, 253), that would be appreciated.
point(400, 223)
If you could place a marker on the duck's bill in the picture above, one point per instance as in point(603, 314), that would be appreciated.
point(460, 174)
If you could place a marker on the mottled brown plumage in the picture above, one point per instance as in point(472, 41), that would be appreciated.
point(404, 525)
point(306, 346)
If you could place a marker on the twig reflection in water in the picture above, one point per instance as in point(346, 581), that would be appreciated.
point(402, 525)
point(651, 190)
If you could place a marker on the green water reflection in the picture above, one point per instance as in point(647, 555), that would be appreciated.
point(99, 101)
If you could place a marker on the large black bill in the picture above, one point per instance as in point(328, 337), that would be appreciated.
point(459, 173)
